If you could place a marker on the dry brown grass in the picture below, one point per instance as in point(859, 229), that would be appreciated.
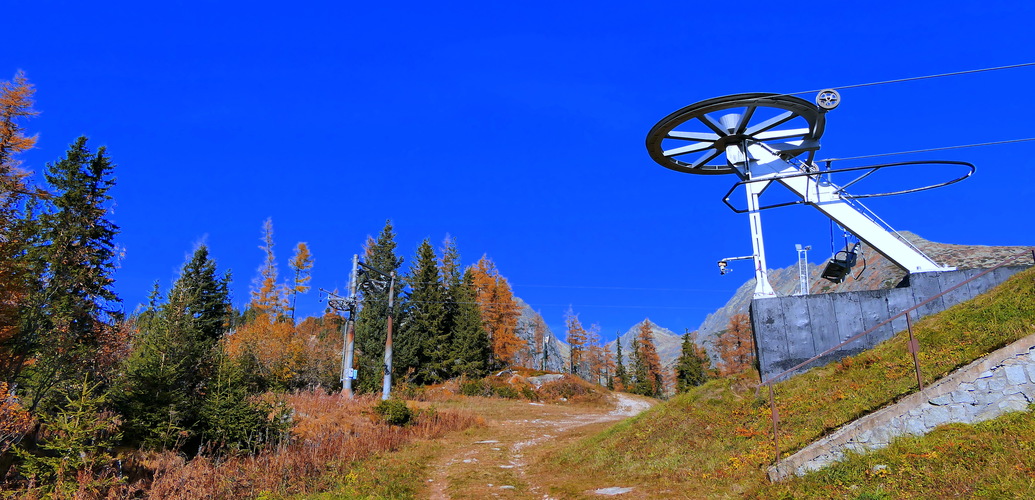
point(330, 433)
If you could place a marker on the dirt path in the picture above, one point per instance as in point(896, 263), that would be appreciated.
point(491, 462)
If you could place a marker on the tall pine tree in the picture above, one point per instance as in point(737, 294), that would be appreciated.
point(72, 301)
point(471, 351)
point(372, 320)
point(175, 354)
point(621, 377)
point(693, 364)
point(424, 341)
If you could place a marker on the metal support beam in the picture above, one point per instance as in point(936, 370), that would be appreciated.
point(743, 163)
point(824, 195)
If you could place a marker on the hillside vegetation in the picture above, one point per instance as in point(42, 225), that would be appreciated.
point(716, 440)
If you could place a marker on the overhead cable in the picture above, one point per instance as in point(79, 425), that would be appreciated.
point(930, 149)
point(914, 78)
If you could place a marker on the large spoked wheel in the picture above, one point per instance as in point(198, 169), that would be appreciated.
point(694, 139)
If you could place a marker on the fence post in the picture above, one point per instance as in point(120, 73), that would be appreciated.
point(914, 347)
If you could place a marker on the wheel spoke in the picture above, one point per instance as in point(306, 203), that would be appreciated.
point(707, 120)
point(780, 134)
point(693, 136)
point(770, 123)
point(745, 119)
point(692, 148)
point(707, 157)
point(796, 147)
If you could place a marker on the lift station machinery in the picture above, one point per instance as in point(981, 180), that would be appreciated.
point(773, 138)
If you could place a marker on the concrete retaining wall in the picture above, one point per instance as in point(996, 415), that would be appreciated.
point(1000, 382)
point(790, 330)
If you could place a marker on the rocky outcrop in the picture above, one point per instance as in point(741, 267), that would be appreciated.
point(557, 351)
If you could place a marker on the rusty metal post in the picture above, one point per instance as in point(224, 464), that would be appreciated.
point(914, 347)
point(776, 419)
point(387, 387)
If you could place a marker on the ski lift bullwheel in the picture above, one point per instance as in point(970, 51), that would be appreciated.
point(786, 124)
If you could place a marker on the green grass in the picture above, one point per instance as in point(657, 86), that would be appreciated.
point(993, 459)
point(716, 440)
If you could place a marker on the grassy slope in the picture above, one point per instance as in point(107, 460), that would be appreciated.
point(717, 440)
point(993, 459)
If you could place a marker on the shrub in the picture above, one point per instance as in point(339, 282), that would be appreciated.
point(394, 411)
point(506, 391)
point(475, 388)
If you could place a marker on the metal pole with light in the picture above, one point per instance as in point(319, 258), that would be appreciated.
point(803, 268)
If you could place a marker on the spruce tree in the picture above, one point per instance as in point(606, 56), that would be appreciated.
point(372, 320)
point(471, 351)
point(227, 419)
point(620, 375)
point(424, 341)
point(640, 383)
point(693, 364)
point(174, 355)
point(72, 300)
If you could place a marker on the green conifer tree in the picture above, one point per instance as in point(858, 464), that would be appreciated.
point(620, 375)
point(424, 341)
point(175, 355)
point(641, 383)
point(371, 322)
point(228, 419)
point(471, 351)
point(693, 364)
point(72, 300)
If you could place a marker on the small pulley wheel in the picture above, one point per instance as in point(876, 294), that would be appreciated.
point(828, 99)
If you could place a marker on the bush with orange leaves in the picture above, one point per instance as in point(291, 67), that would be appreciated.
point(15, 421)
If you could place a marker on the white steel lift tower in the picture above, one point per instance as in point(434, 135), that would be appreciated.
point(766, 139)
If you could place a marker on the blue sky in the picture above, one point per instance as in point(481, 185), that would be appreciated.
point(517, 128)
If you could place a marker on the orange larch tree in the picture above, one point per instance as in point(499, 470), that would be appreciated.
point(268, 295)
point(576, 338)
point(652, 383)
point(736, 346)
point(15, 105)
point(302, 265)
point(499, 310)
point(595, 359)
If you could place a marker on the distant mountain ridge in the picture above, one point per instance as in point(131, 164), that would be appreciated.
point(872, 272)
point(668, 343)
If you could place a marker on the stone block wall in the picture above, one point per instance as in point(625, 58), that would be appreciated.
point(1000, 382)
